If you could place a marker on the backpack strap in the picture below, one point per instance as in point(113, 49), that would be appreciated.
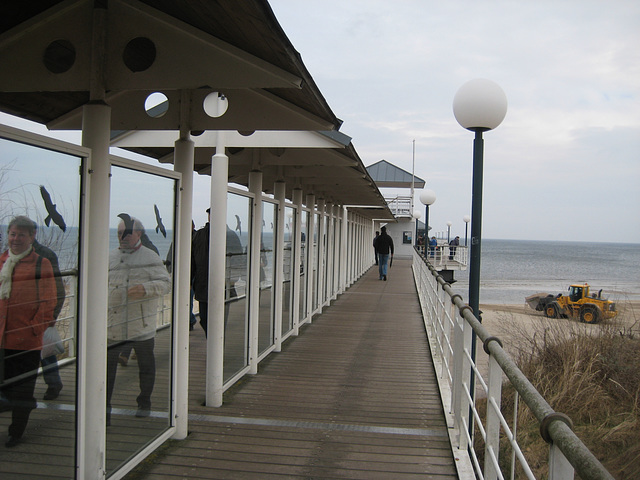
point(38, 276)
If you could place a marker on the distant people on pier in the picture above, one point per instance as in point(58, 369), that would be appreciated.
point(384, 246)
point(453, 245)
point(137, 280)
point(27, 304)
point(433, 246)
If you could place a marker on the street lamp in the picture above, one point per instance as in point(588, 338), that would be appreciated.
point(466, 219)
point(427, 197)
point(449, 223)
point(479, 105)
point(416, 215)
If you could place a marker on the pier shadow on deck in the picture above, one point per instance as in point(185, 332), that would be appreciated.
point(354, 396)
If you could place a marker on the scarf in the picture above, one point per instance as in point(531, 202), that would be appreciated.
point(7, 272)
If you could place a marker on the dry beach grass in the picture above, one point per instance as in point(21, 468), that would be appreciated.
point(589, 372)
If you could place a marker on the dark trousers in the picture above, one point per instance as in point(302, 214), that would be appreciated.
point(51, 372)
point(21, 366)
point(204, 311)
point(146, 368)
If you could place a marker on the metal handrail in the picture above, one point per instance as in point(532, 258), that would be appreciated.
point(451, 325)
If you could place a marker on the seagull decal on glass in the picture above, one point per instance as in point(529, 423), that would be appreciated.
point(159, 225)
point(52, 212)
point(128, 224)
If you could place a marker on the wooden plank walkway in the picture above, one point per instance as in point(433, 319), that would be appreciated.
point(353, 397)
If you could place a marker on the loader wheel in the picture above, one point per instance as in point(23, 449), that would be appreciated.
point(551, 311)
point(589, 314)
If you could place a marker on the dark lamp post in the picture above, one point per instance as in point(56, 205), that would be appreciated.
point(479, 105)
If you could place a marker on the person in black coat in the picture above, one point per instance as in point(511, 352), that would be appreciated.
point(384, 246)
point(235, 267)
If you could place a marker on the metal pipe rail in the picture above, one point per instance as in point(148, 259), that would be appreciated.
point(451, 327)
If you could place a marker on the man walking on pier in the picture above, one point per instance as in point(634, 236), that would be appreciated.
point(383, 245)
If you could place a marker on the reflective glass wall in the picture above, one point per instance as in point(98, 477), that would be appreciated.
point(40, 214)
point(304, 262)
point(288, 278)
point(236, 312)
point(140, 311)
point(266, 320)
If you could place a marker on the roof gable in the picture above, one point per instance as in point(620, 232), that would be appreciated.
point(387, 175)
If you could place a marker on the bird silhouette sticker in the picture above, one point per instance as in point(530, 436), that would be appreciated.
point(159, 225)
point(128, 224)
point(52, 212)
point(238, 225)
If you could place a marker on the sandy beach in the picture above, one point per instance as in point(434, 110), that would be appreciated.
point(507, 321)
point(516, 325)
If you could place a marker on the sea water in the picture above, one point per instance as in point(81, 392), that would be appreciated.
point(511, 270)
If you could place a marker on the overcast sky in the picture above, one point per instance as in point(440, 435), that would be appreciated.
point(564, 164)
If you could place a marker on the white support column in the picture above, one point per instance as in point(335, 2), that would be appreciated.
point(92, 364)
point(295, 260)
point(255, 187)
point(217, 260)
point(278, 193)
point(184, 153)
point(334, 251)
point(320, 291)
point(311, 252)
point(492, 442)
point(343, 249)
point(331, 251)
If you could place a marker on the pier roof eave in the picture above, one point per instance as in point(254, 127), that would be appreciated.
point(242, 48)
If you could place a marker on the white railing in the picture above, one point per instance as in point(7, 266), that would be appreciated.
point(400, 206)
point(444, 256)
point(453, 331)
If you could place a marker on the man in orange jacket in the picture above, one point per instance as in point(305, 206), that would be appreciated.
point(27, 301)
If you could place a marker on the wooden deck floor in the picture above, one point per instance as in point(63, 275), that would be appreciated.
point(353, 397)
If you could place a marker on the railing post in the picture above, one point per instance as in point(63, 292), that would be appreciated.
point(559, 466)
point(492, 442)
point(456, 390)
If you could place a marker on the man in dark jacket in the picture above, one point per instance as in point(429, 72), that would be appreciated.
point(384, 246)
point(235, 267)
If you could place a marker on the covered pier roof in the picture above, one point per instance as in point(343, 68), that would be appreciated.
point(65, 54)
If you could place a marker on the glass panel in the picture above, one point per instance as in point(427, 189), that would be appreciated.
point(139, 333)
point(304, 228)
point(266, 331)
point(40, 197)
point(236, 337)
point(315, 291)
point(288, 280)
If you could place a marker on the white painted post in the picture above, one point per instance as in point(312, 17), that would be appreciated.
point(255, 187)
point(183, 162)
point(320, 292)
point(217, 260)
point(559, 466)
point(311, 252)
point(279, 193)
point(295, 260)
point(492, 427)
point(344, 252)
point(92, 364)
